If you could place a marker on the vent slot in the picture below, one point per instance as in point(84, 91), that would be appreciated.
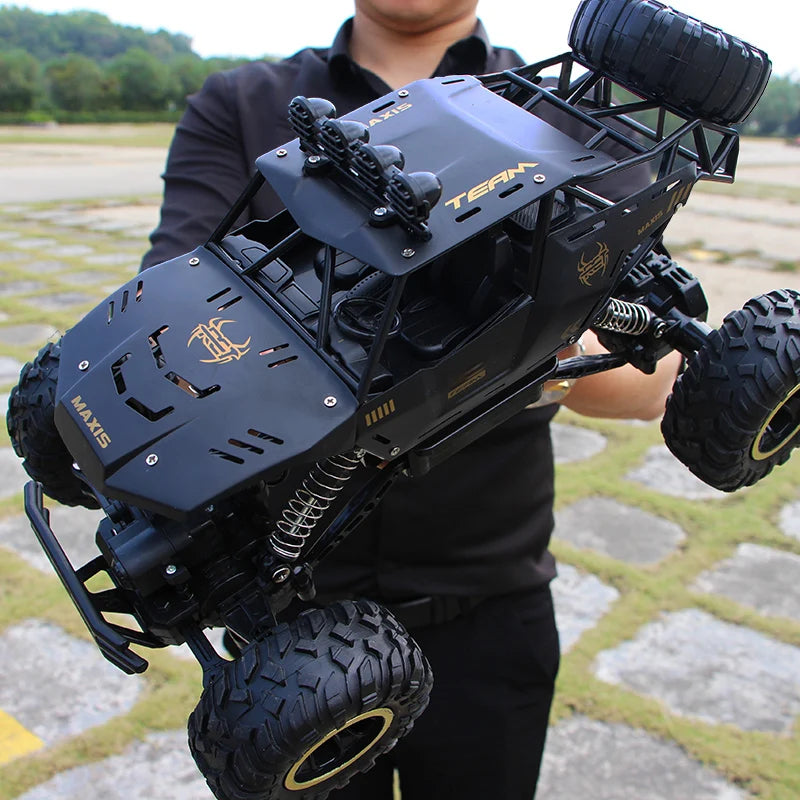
point(116, 373)
point(383, 107)
point(155, 346)
point(229, 303)
point(110, 314)
point(151, 416)
point(282, 362)
point(226, 456)
point(259, 451)
point(189, 387)
point(217, 295)
point(272, 349)
point(515, 188)
point(452, 80)
point(381, 439)
point(264, 436)
point(124, 303)
point(139, 288)
point(471, 213)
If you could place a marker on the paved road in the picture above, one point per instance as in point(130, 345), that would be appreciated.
point(40, 172)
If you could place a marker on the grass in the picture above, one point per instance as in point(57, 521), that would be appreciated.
point(154, 134)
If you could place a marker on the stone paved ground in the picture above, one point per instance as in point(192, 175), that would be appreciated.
point(678, 605)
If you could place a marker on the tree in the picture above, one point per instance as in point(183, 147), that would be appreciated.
point(76, 83)
point(188, 74)
point(778, 106)
point(20, 81)
point(145, 84)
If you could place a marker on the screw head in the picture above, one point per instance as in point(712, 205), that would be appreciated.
point(380, 211)
point(282, 153)
point(409, 252)
point(314, 159)
point(330, 401)
point(539, 178)
point(83, 366)
point(403, 93)
point(193, 262)
point(659, 330)
point(395, 451)
point(170, 569)
point(151, 460)
point(281, 574)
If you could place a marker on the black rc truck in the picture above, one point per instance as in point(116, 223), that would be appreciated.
point(237, 411)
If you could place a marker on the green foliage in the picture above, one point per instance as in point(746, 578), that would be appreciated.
point(144, 83)
point(76, 83)
point(50, 36)
point(778, 111)
point(20, 80)
point(81, 66)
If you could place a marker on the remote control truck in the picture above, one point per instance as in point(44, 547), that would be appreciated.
point(438, 249)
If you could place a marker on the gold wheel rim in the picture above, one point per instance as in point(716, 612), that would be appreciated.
point(756, 452)
point(291, 782)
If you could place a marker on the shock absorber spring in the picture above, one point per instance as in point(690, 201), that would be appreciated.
point(621, 316)
point(315, 495)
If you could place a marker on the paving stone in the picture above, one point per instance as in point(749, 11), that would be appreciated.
point(571, 443)
point(19, 287)
point(55, 302)
point(701, 667)
point(158, 768)
point(9, 370)
point(74, 527)
point(662, 472)
point(789, 520)
point(57, 685)
point(115, 259)
point(580, 600)
point(71, 250)
point(12, 474)
point(617, 530)
point(93, 278)
point(585, 758)
point(33, 244)
point(26, 334)
point(46, 267)
point(760, 577)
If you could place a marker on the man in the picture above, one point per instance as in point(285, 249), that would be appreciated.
point(460, 555)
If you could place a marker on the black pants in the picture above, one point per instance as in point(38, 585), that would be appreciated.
point(483, 733)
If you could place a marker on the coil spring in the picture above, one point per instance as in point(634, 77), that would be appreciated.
point(315, 495)
point(621, 316)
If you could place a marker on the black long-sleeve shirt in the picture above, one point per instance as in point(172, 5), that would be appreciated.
point(478, 524)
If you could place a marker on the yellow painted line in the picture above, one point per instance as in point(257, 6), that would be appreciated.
point(15, 740)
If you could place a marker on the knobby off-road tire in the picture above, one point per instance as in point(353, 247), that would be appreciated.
point(310, 705)
point(33, 432)
point(678, 61)
point(735, 413)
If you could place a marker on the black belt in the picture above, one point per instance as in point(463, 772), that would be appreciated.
point(424, 611)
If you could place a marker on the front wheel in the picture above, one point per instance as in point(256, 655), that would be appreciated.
point(314, 702)
point(34, 436)
point(735, 413)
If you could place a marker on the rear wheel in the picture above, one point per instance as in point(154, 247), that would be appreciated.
point(735, 413)
point(310, 705)
point(32, 428)
point(680, 62)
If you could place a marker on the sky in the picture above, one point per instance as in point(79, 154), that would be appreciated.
point(252, 29)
